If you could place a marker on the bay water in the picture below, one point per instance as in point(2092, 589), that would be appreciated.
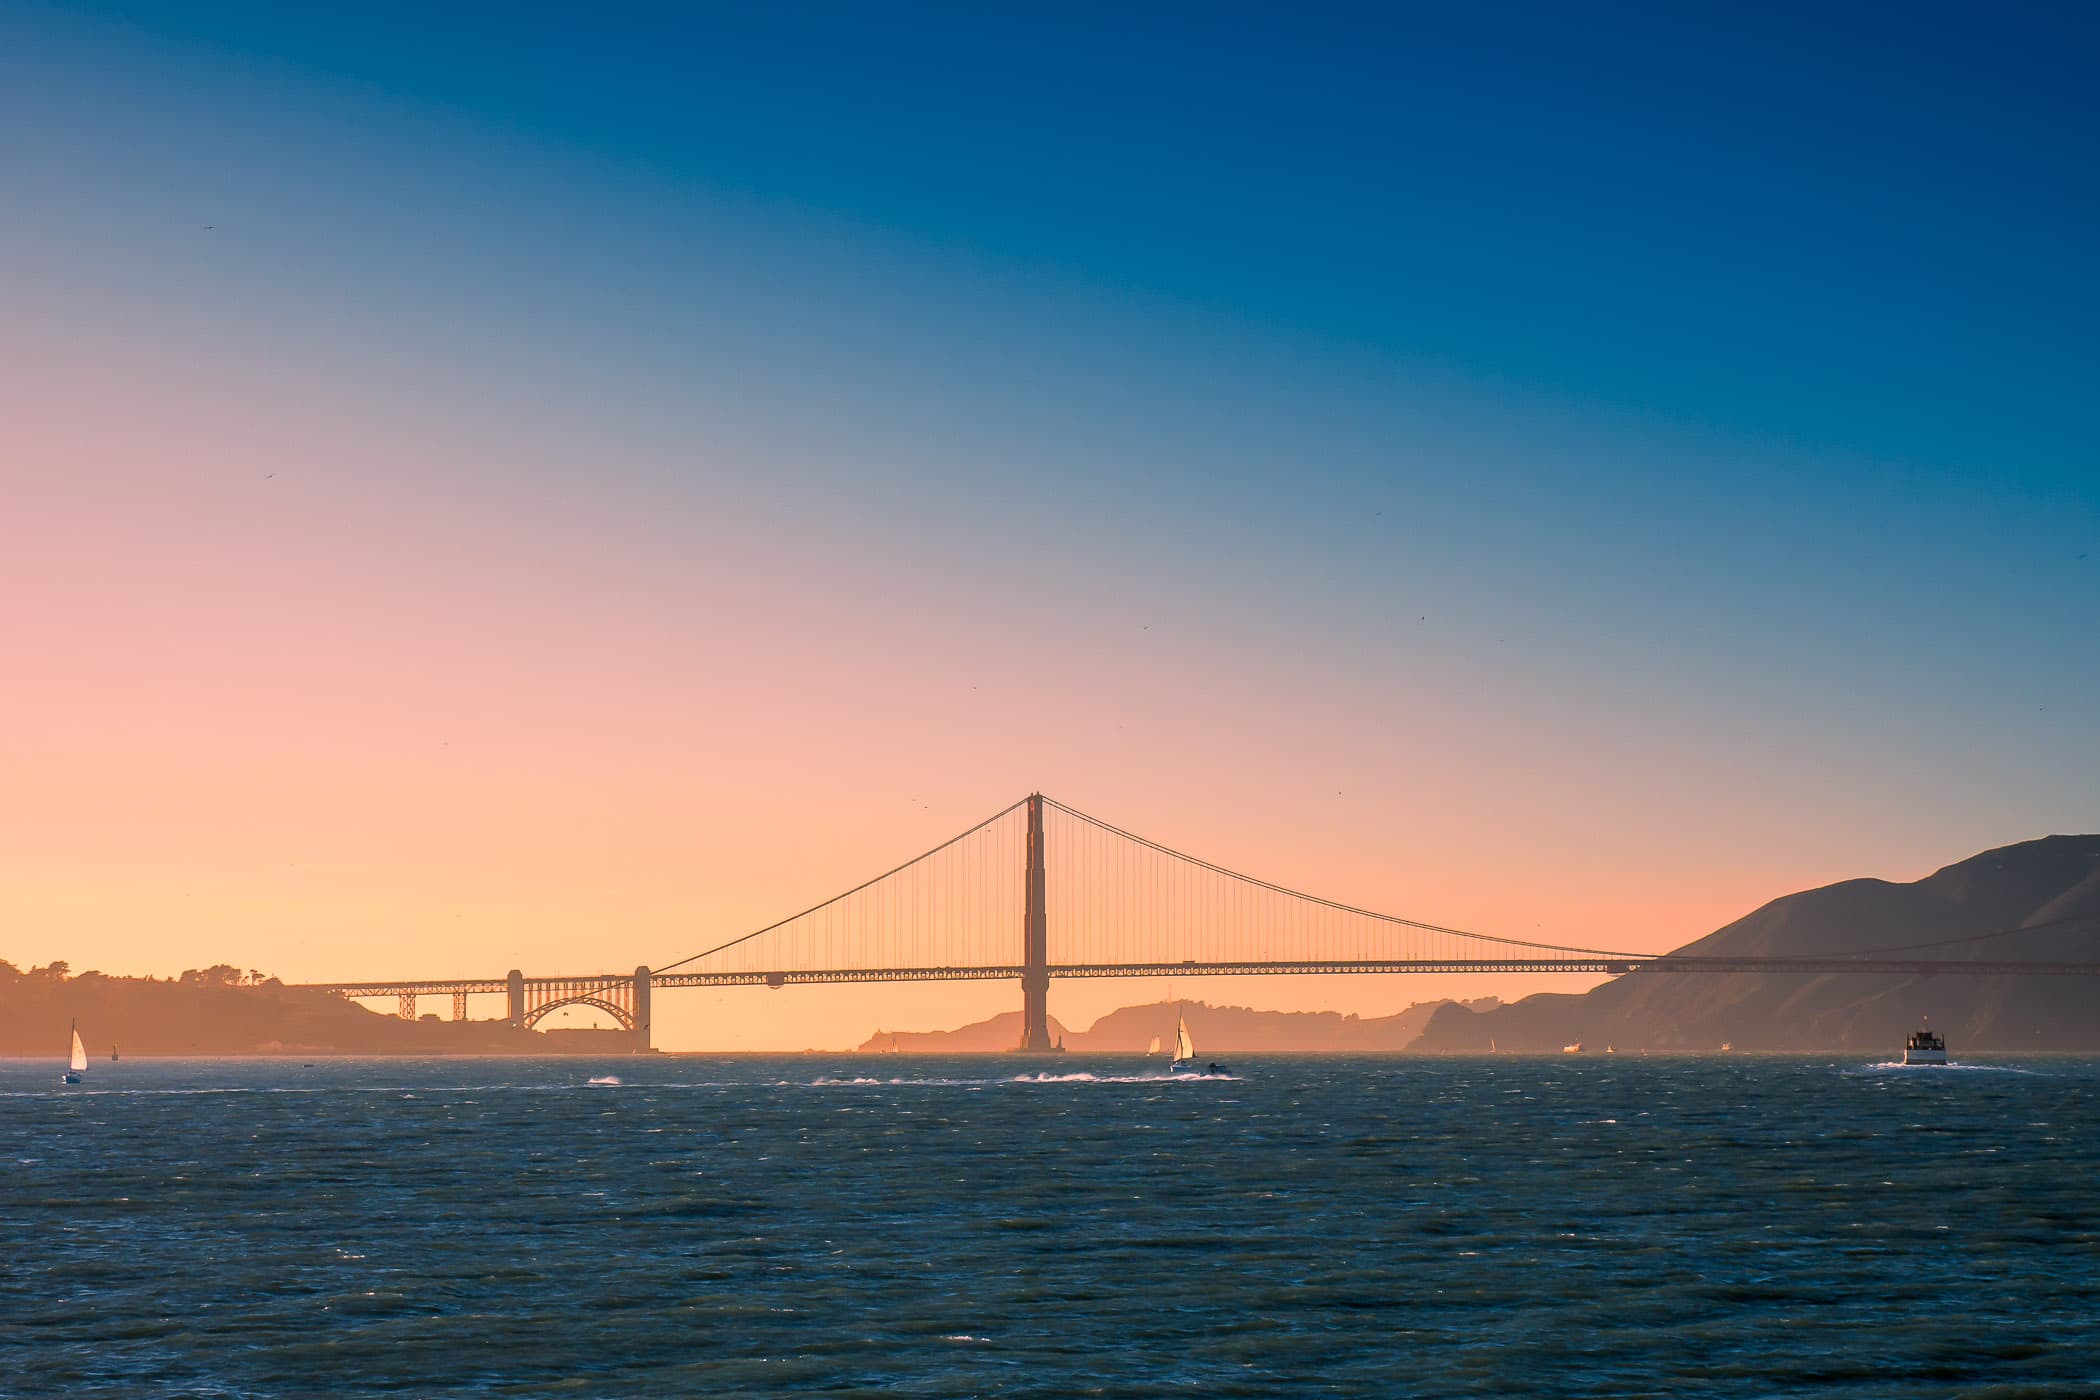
point(701, 1226)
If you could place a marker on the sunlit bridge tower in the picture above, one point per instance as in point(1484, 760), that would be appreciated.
point(641, 1007)
point(1035, 940)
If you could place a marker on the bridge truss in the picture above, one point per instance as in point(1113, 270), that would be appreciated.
point(1040, 891)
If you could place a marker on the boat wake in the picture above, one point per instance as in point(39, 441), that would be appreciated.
point(605, 1079)
point(1949, 1069)
point(1045, 1077)
point(1084, 1077)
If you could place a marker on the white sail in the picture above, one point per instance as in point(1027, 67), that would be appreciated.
point(79, 1061)
point(1153, 1048)
point(1183, 1049)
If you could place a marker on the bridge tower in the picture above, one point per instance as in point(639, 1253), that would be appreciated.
point(641, 1007)
point(1035, 940)
point(517, 998)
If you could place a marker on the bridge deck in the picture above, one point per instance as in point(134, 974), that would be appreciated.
point(1593, 966)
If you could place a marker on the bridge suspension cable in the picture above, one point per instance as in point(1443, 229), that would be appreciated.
point(972, 892)
point(1116, 903)
point(1336, 907)
point(1114, 897)
point(1039, 890)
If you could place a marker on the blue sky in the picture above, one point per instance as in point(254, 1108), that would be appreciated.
point(1790, 221)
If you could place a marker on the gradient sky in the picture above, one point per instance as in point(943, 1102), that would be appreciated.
point(560, 486)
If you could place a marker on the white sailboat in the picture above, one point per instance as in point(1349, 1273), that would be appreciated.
point(1184, 1049)
point(1153, 1048)
point(77, 1065)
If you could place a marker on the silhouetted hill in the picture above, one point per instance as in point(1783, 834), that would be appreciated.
point(1215, 1029)
point(2039, 900)
point(217, 1012)
point(995, 1036)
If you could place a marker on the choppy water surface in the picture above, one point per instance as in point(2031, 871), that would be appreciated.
point(678, 1226)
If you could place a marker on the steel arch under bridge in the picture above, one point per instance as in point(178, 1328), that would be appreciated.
point(622, 996)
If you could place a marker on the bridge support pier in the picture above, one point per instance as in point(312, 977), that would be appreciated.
point(517, 998)
point(1035, 941)
point(459, 1006)
point(641, 1008)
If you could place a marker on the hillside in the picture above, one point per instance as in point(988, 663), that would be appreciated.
point(218, 1011)
point(2039, 900)
point(1216, 1030)
point(997, 1035)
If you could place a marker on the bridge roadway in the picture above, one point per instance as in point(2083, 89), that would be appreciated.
point(1599, 966)
point(626, 997)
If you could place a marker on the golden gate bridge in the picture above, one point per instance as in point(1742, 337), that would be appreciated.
point(1040, 891)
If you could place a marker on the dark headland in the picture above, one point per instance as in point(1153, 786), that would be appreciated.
point(2038, 901)
point(224, 1011)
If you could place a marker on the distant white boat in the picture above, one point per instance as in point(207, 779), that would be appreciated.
point(1153, 1048)
point(1726, 1046)
point(1184, 1049)
point(76, 1066)
point(1575, 1049)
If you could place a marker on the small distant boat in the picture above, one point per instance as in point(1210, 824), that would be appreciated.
point(1575, 1049)
point(1726, 1046)
point(1153, 1048)
point(76, 1066)
point(1924, 1048)
point(113, 1056)
point(1184, 1061)
point(1611, 1049)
